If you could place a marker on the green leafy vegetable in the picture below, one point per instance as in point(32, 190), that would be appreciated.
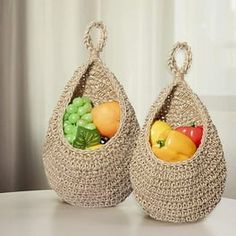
point(86, 138)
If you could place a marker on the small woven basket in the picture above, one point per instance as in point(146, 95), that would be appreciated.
point(91, 178)
point(182, 191)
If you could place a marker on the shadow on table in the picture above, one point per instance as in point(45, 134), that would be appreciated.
point(163, 228)
point(124, 219)
point(89, 221)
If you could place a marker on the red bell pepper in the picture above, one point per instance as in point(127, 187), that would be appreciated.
point(194, 132)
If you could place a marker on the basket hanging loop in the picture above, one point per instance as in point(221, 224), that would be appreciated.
point(179, 72)
point(95, 49)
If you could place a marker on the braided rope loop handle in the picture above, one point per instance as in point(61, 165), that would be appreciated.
point(179, 72)
point(95, 49)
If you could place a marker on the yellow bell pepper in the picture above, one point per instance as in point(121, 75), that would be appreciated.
point(158, 127)
point(174, 146)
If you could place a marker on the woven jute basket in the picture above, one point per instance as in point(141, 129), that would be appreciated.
point(183, 191)
point(91, 178)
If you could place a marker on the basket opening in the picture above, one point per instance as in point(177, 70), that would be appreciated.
point(178, 109)
point(96, 84)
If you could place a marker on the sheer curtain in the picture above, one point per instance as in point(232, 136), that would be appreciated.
point(41, 46)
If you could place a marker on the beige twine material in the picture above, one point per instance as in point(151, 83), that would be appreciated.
point(183, 191)
point(91, 178)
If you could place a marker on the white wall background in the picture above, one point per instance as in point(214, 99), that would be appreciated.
point(42, 46)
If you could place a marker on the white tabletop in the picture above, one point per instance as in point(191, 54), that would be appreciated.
point(41, 213)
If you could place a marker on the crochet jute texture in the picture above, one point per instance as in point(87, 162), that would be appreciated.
point(91, 178)
point(182, 191)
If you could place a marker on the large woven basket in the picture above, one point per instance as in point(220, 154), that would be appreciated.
point(91, 178)
point(182, 191)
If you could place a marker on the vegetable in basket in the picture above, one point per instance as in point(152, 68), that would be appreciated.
point(86, 127)
point(86, 138)
point(173, 146)
point(158, 127)
point(194, 132)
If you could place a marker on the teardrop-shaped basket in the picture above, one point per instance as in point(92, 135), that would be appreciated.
point(182, 191)
point(91, 178)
